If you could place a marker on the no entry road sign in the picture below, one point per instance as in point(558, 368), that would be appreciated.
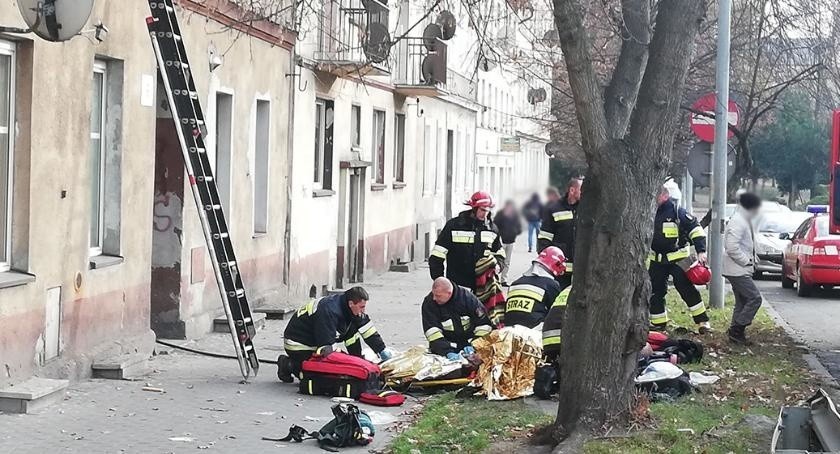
point(703, 126)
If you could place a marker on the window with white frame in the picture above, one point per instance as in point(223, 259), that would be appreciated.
point(324, 110)
point(378, 144)
point(356, 126)
point(262, 128)
point(7, 147)
point(399, 148)
point(98, 119)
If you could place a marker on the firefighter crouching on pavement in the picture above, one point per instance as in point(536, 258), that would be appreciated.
point(319, 324)
point(531, 296)
point(670, 255)
point(470, 247)
point(452, 317)
point(558, 224)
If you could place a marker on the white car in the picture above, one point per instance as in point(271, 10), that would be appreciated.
point(773, 230)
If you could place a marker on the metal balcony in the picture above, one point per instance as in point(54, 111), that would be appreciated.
point(419, 66)
point(352, 36)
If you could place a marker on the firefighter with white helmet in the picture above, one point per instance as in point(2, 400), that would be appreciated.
point(674, 230)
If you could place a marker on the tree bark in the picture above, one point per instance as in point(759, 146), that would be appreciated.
point(607, 314)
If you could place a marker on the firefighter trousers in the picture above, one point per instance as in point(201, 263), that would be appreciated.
point(659, 272)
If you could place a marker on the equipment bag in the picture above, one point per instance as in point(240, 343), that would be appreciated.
point(339, 375)
point(382, 399)
point(545, 381)
point(686, 350)
point(350, 427)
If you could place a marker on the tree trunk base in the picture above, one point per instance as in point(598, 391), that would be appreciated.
point(573, 444)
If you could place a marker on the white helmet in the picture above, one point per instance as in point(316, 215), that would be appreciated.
point(673, 188)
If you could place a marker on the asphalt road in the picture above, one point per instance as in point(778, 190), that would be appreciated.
point(815, 319)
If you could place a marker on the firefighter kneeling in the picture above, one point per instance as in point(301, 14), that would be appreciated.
point(319, 324)
point(452, 317)
point(531, 296)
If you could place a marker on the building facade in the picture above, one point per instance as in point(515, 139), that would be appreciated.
point(335, 156)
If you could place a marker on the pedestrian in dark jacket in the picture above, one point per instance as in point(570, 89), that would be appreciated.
point(509, 225)
point(533, 212)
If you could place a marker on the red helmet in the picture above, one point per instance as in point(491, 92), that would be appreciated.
point(698, 274)
point(480, 199)
point(553, 259)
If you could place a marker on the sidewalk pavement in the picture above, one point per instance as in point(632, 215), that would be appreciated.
point(204, 406)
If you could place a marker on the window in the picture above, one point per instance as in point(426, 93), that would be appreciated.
point(379, 146)
point(262, 128)
point(399, 148)
point(224, 136)
point(7, 146)
point(97, 158)
point(323, 143)
point(356, 126)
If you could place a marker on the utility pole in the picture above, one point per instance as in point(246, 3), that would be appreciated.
point(719, 155)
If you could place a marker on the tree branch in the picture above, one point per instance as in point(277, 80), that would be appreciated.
point(583, 80)
point(670, 56)
point(620, 95)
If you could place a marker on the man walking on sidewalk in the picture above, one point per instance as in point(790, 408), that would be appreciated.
point(739, 265)
point(533, 215)
point(509, 225)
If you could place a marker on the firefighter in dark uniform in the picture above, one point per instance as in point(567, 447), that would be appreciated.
point(531, 296)
point(558, 224)
point(552, 326)
point(319, 324)
point(674, 230)
point(452, 317)
point(464, 240)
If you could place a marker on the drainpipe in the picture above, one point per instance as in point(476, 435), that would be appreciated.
point(290, 141)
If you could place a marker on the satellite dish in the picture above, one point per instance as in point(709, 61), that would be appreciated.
point(377, 43)
point(55, 20)
point(551, 38)
point(431, 34)
point(432, 71)
point(540, 95)
point(448, 24)
point(552, 149)
point(532, 98)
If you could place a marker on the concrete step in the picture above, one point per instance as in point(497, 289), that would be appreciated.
point(123, 367)
point(220, 324)
point(406, 267)
point(32, 395)
point(275, 313)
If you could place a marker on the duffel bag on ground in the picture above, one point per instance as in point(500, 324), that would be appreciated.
point(339, 374)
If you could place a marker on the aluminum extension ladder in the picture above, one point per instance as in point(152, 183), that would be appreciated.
point(189, 122)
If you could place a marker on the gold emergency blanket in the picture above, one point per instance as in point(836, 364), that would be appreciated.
point(416, 363)
point(509, 360)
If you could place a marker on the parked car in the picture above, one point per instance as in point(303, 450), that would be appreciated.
point(773, 231)
point(811, 259)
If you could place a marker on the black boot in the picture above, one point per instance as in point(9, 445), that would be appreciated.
point(284, 369)
point(737, 335)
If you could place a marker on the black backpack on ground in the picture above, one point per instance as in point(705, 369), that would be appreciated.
point(350, 427)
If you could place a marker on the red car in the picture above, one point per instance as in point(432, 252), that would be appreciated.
point(813, 256)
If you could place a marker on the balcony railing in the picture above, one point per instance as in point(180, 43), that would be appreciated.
point(352, 35)
point(419, 66)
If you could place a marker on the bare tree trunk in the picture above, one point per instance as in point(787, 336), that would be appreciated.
point(794, 193)
point(628, 150)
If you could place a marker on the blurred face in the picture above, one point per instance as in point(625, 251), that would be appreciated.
point(441, 295)
point(552, 197)
point(663, 197)
point(481, 213)
point(574, 192)
point(358, 307)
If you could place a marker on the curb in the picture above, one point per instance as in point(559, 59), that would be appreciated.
point(810, 358)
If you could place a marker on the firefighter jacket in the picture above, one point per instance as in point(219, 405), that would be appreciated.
point(673, 230)
point(321, 323)
point(463, 241)
point(554, 322)
point(449, 327)
point(529, 298)
point(558, 229)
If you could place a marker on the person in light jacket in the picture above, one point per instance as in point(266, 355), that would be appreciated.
point(739, 265)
